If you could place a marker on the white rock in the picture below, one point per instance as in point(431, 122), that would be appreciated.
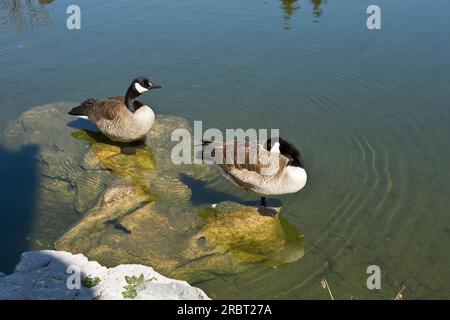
point(43, 275)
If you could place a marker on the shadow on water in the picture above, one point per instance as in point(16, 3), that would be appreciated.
point(24, 15)
point(93, 135)
point(82, 124)
point(289, 8)
point(18, 190)
point(201, 194)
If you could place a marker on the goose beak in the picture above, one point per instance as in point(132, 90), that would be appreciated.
point(155, 86)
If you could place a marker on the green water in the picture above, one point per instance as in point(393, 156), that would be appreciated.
point(369, 110)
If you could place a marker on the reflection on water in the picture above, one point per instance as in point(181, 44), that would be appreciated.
point(317, 9)
point(24, 15)
point(291, 6)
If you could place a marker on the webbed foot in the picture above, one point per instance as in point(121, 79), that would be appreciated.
point(128, 150)
point(268, 212)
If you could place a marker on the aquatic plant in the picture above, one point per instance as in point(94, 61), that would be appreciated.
point(399, 295)
point(89, 282)
point(133, 282)
point(325, 285)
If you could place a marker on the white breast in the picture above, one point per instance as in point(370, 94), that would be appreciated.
point(292, 180)
point(143, 119)
point(295, 179)
point(140, 123)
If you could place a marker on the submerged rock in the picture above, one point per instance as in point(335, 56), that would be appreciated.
point(53, 275)
point(234, 236)
point(193, 245)
point(75, 165)
point(136, 208)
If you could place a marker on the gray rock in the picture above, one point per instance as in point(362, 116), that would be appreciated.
point(48, 275)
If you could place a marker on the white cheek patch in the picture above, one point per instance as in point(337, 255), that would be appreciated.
point(140, 88)
point(275, 148)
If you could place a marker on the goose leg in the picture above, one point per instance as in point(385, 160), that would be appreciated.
point(141, 143)
point(130, 148)
point(264, 210)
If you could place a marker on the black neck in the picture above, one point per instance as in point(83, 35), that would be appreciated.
point(130, 99)
point(295, 159)
point(296, 162)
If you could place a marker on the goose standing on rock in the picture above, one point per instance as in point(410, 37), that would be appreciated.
point(276, 169)
point(121, 119)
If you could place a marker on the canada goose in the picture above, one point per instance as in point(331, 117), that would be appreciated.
point(121, 119)
point(255, 168)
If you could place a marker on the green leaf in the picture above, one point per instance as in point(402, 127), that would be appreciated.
point(129, 294)
point(89, 282)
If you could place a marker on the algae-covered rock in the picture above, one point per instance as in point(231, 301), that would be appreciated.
point(117, 208)
point(103, 154)
point(233, 236)
point(131, 228)
point(75, 165)
point(193, 245)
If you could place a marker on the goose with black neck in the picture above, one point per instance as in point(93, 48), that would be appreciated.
point(122, 119)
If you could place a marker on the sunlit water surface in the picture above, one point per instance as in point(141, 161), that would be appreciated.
point(369, 110)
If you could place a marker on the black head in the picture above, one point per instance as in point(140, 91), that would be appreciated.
point(286, 149)
point(141, 85)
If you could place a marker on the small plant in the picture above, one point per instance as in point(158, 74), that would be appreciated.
point(399, 295)
point(133, 282)
point(89, 282)
point(325, 285)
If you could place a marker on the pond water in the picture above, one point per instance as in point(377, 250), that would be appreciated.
point(369, 110)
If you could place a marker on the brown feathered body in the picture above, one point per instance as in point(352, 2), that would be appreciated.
point(255, 168)
point(116, 121)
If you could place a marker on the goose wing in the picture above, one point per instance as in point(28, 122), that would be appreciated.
point(120, 98)
point(248, 163)
point(106, 109)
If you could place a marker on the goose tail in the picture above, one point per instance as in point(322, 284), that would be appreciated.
point(82, 109)
point(201, 153)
